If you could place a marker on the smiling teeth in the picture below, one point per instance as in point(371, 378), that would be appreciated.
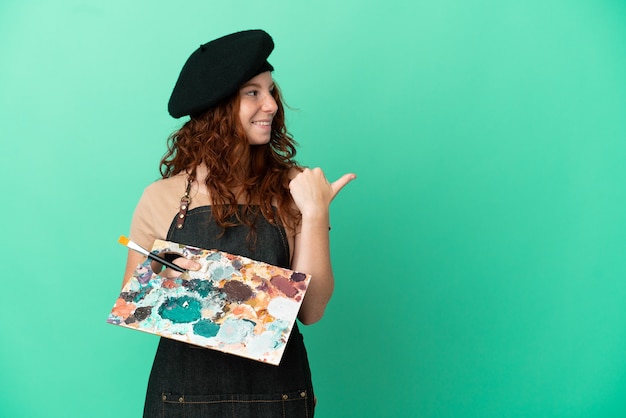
point(263, 123)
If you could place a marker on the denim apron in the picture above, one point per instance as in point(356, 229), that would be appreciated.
point(195, 382)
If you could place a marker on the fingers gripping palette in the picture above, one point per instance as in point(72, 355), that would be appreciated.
point(232, 304)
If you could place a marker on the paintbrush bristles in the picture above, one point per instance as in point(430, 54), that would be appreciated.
point(133, 246)
point(136, 247)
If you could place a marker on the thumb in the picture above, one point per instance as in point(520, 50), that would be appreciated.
point(341, 182)
point(187, 264)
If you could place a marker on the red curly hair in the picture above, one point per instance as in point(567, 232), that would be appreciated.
point(258, 173)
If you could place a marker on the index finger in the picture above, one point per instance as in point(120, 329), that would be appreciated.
point(181, 261)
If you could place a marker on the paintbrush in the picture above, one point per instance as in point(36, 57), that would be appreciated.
point(136, 247)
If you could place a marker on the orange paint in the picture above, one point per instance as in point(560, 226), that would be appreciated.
point(122, 308)
point(169, 284)
point(239, 310)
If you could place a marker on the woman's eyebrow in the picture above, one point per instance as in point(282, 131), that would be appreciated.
point(258, 86)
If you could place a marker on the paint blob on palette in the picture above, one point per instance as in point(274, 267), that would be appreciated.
point(232, 304)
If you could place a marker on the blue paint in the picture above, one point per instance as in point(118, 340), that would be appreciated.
point(206, 328)
point(142, 293)
point(202, 287)
point(221, 273)
point(214, 257)
point(181, 310)
point(235, 331)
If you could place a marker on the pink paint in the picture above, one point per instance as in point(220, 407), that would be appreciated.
point(284, 285)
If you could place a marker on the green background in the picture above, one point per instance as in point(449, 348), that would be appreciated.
point(479, 255)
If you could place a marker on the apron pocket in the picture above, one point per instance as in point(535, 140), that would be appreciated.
point(290, 404)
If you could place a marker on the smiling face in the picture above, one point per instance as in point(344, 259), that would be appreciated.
point(257, 108)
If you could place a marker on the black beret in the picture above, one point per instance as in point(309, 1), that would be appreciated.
point(218, 69)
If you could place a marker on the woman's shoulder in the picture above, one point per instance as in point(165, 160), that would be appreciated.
point(168, 192)
point(172, 185)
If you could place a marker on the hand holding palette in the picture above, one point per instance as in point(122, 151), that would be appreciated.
point(232, 303)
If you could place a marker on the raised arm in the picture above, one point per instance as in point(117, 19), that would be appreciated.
point(312, 194)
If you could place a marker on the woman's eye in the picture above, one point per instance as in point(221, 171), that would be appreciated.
point(252, 93)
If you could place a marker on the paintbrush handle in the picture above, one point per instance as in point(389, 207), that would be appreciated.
point(136, 247)
point(166, 263)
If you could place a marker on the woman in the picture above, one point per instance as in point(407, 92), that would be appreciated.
point(230, 183)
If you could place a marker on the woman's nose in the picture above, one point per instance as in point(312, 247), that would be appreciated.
point(269, 104)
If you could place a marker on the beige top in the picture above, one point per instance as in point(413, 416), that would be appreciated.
point(158, 206)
